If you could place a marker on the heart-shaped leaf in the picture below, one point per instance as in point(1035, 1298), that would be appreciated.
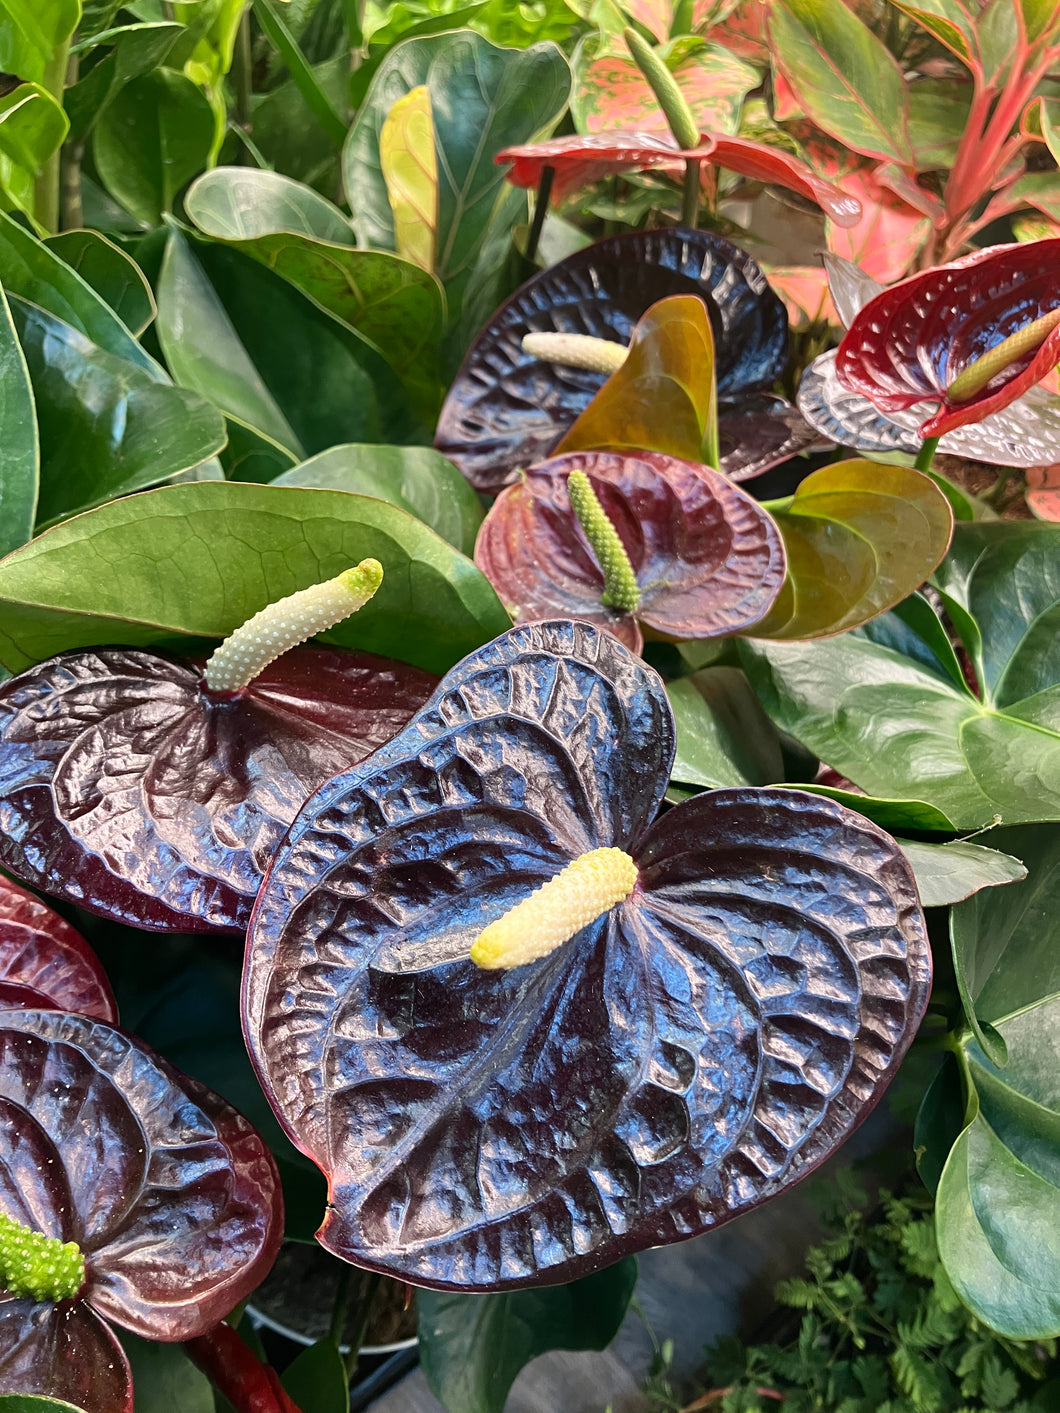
point(114, 276)
point(859, 538)
point(130, 790)
point(40, 951)
point(416, 478)
point(681, 1058)
point(196, 561)
point(707, 559)
point(20, 446)
point(507, 410)
point(912, 342)
point(763, 163)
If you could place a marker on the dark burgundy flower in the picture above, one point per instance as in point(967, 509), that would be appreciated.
point(129, 788)
point(708, 561)
point(704, 1041)
point(170, 1196)
point(44, 962)
point(913, 342)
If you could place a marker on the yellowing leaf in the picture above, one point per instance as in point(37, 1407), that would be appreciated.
point(410, 170)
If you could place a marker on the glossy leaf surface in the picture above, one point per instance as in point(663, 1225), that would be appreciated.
point(20, 446)
point(679, 1060)
point(131, 791)
point(168, 1191)
point(196, 561)
point(40, 950)
point(859, 537)
point(707, 559)
point(950, 873)
point(723, 735)
point(773, 165)
point(507, 410)
point(114, 276)
point(910, 343)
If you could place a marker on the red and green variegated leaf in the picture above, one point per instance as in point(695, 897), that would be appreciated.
point(1040, 190)
point(938, 118)
point(742, 30)
point(885, 241)
point(1043, 491)
point(844, 78)
point(763, 163)
point(39, 949)
point(950, 22)
point(804, 290)
point(579, 161)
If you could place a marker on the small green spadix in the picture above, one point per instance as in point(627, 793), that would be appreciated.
point(974, 378)
point(557, 911)
point(577, 351)
point(37, 1266)
point(620, 583)
point(288, 622)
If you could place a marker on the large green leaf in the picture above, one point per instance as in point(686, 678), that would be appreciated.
point(897, 724)
point(860, 537)
point(136, 50)
point(483, 99)
point(32, 127)
point(194, 561)
point(269, 358)
point(843, 77)
point(165, 1379)
point(998, 1203)
point(472, 1346)
point(317, 1379)
point(723, 735)
point(417, 478)
point(31, 32)
point(106, 426)
point(19, 446)
point(288, 227)
point(114, 276)
point(154, 136)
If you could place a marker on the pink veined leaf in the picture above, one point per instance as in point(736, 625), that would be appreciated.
point(742, 31)
point(41, 952)
point(886, 238)
point(655, 15)
point(1043, 491)
point(785, 100)
point(804, 290)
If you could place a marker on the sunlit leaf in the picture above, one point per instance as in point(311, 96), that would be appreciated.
point(410, 170)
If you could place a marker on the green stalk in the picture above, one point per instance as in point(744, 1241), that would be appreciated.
point(663, 84)
point(690, 199)
point(926, 455)
point(620, 583)
point(46, 188)
point(243, 72)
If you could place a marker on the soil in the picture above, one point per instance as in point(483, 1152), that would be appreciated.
point(300, 1292)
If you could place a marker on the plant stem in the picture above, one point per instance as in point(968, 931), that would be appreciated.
point(544, 191)
point(690, 200)
point(243, 74)
point(46, 187)
point(926, 455)
point(371, 1289)
point(337, 1326)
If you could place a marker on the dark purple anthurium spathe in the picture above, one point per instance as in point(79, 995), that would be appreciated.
point(507, 410)
point(130, 789)
point(708, 560)
point(689, 1054)
point(171, 1196)
point(912, 342)
point(46, 962)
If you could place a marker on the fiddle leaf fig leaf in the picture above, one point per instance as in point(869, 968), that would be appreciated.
point(410, 169)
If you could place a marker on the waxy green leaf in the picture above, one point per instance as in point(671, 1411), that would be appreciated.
point(417, 478)
point(195, 561)
point(723, 735)
point(32, 127)
point(33, 32)
point(114, 276)
point(949, 873)
point(860, 537)
point(317, 1378)
point(19, 445)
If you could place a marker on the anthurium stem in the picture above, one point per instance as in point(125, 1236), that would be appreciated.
point(663, 84)
point(554, 913)
point(974, 378)
point(544, 191)
point(926, 455)
point(690, 199)
point(288, 622)
point(38, 1266)
point(620, 583)
point(576, 351)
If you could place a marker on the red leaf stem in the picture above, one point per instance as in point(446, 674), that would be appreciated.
point(231, 1366)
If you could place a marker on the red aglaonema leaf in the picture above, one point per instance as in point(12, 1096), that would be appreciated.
point(708, 560)
point(805, 292)
point(579, 161)
point(249, 1385)
point(884, 239)
point(910, 343)
point(132, 790)
point(507, 409)
point(1043, 490)
point(41, 952)
point(171, 1196)
point(691, 1052)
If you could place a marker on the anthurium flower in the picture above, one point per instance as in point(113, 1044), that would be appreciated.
point(44, 962)
point(755, 968)
point(507, 409)
point(129, 1193)
point(131, 786)
point(971, 336)
point(705, 559)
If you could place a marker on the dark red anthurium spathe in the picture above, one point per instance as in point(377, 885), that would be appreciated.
point(171, 1196)
point(912, 342)
point(44, 962)
point(703, 1043)
point(708, 560)
point(129, 788)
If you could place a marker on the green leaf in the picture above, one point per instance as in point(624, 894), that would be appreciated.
point(949, 873)
point(165, 1378)
point(32, 32)
point(938, 118)
point(472, 1346)
point(410, 169)
point(939, 1121)
point(843, 77)
point(483, 99)
point(19, 446)
point(32, 127)
point(155, 135)
point(894, 815)
point(194, 561)
point(33, 271)
point(723, 735)
point(417, 478)
point(34, 1403)
point(394, 304)
point(106, 427)
point(316, 1379)
point(138, 49)
point(251, 456)
point(998, 1202)
point(114, 276)
point(302, 75)
point(899, 728)
point(949, 21)
point(860, 537)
